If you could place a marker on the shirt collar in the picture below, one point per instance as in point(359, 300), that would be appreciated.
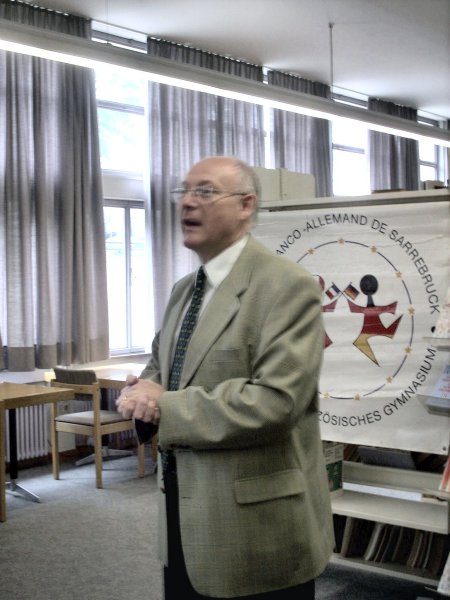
point(219, 267)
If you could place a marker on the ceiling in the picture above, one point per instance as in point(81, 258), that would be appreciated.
point(396, 50)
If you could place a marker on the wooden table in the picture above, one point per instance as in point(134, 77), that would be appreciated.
point(13, 396)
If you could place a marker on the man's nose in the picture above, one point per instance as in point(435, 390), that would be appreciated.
point(189, 199)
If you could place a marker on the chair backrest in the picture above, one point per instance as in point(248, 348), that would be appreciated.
point(77, 376)
point(83, 382)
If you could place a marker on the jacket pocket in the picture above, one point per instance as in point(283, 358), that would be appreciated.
point(226, 355)
point(268, 487)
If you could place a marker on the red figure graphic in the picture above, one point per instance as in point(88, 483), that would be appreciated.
point(372, 324)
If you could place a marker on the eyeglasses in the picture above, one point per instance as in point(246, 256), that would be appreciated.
point(204, 193)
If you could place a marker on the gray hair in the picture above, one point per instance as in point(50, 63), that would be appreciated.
point(249, 181)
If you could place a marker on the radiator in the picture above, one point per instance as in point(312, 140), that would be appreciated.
point(32, 432)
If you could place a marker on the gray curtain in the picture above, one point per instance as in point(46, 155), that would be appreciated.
point(394, 161)
point(186, 126)
point(53, 292)
point(301, 143)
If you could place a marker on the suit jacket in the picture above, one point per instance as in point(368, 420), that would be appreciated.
point(253, 495)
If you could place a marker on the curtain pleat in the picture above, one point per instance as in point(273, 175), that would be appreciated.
point(301, 143)
point(186, 126)
point(53, 302)
point(394, 161)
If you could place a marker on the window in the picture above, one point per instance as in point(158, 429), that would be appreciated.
point(350, 168)
point(350, 173)
point(432, 158)
point(428, 155)
point(130, 312)
point(121, 105)
point(122, 138)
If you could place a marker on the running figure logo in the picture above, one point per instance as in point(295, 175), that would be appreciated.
point(372, 324)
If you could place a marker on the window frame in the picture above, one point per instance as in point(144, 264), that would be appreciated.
point(126, 190)
point(127, 204)
point(439, 159)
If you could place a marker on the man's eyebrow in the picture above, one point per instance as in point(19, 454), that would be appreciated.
point(200, 183)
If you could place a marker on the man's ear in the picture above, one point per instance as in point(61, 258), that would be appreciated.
point(249, 204)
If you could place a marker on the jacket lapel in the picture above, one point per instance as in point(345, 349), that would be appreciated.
point(221, 309)
point(179, 298)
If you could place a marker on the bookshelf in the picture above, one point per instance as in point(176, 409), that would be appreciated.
point(396, 520)
point(401, 500)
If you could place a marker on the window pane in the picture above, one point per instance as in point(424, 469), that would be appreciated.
point(427, 151)
point(116, 85)
point(122, 140)
point(141, 311)
point(116, 269)
point(427, 173)
point(349, 133)
point(350, 174)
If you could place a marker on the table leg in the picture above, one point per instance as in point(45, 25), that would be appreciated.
point(54, 441)
point(2, 466)
point(12, 485)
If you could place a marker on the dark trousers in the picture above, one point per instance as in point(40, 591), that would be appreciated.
point(176, 581)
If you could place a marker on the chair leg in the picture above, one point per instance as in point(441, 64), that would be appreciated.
point(141, 459)
point(54, 442)
point(154, 448)
point(98, 460)
point(2, 465)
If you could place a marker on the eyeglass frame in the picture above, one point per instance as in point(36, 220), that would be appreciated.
point(204, 193)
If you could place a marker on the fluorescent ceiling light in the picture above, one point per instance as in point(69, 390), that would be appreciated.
point(35, 41)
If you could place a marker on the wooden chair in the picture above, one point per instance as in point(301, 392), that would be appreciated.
point(94, 423)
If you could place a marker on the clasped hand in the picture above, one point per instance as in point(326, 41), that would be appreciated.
point(139, 400)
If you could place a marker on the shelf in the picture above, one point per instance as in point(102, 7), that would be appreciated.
point(409, 197)
point(390, 477)
point(394, 570)
point(428, 516)
point(395, 496)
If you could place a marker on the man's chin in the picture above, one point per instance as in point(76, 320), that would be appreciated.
point(190, 242)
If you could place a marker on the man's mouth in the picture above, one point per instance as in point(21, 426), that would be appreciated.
point(191, 222)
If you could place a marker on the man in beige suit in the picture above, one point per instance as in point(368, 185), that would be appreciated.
point(245, 510)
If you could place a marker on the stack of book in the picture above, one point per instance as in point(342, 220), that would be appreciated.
point(415, 549)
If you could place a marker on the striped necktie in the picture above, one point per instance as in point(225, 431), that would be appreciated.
point(187, 327)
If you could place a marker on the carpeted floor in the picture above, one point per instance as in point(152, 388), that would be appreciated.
point(81, 543)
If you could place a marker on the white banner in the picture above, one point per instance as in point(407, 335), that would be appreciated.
point(384, 272)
